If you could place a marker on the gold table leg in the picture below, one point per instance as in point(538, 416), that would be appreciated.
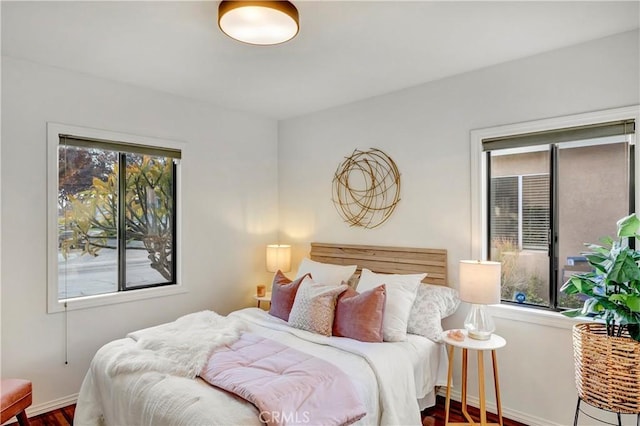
point(497, 386)
point(483, 407)
point(449, 378)
point(465, 375)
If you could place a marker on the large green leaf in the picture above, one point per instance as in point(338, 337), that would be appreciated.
point(619, 298)
point(596, 249)
point(599, 261)
point(607, 241)
point(579, 284)
point(597, 258)
point(624, 268)
point(628, 226)
point(569, 287)
point(592, 306)
point(572, 313)
point(633, 302)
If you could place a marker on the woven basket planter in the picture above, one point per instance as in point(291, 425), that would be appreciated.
point(607, 369)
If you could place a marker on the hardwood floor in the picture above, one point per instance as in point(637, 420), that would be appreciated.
point(431, 417)
point(59, 417)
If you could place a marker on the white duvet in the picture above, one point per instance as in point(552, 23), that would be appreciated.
point(389, 377)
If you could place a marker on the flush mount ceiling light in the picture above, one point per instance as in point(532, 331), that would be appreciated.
point(258, 22)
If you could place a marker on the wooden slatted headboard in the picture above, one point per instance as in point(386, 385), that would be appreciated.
point(388, 260)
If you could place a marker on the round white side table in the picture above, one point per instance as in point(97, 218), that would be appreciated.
point(495, 342)
point(265, 298)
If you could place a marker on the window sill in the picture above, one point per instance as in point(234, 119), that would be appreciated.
point(114, 298)
point(535, 316)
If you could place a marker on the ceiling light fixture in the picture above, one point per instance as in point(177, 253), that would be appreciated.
point(258, 22)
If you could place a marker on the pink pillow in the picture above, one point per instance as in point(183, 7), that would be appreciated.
point(359, 316)
point(283, 294)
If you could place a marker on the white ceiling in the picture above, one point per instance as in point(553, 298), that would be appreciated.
point(345, 51)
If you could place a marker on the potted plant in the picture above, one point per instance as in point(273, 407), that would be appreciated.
point(607, 355)
point(613, 287)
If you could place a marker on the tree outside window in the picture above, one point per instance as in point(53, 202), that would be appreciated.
point(116, 220)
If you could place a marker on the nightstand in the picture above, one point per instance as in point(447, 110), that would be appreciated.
point(495, 342)
point(265, 298)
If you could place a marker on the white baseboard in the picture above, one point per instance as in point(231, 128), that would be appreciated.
point(507, 412)
point(36, 410)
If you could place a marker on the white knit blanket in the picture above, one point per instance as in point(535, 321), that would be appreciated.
point(180, 348)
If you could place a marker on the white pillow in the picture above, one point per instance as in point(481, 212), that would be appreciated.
point(432, 304)
point(401, 293)
point(325, 273)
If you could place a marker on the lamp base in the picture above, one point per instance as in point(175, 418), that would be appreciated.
point(479, 335)
point(479, 323)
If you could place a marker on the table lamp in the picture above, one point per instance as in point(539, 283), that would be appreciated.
point(480, 286)
point(278, 257)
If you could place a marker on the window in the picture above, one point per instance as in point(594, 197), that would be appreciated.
point(543, 194)
point(115, 216)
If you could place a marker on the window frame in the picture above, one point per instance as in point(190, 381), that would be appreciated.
point(479, 184)
point(54, 130)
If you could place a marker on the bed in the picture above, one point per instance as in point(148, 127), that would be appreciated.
point(153, 384)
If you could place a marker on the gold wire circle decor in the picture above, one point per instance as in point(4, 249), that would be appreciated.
point(366, 188)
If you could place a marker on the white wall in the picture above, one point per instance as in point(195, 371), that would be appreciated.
point(229, 213)
point(425, 129)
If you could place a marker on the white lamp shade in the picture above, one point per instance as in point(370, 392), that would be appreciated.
point(258, 22)
point(480, 281)
point(278, 257)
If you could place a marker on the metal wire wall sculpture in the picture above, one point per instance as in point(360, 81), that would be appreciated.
point(366, 188)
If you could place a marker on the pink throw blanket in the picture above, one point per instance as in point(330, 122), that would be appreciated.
point(287, 386)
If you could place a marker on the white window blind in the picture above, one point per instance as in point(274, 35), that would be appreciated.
point(504, 209)
point(535, 212)
point(520, 210)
